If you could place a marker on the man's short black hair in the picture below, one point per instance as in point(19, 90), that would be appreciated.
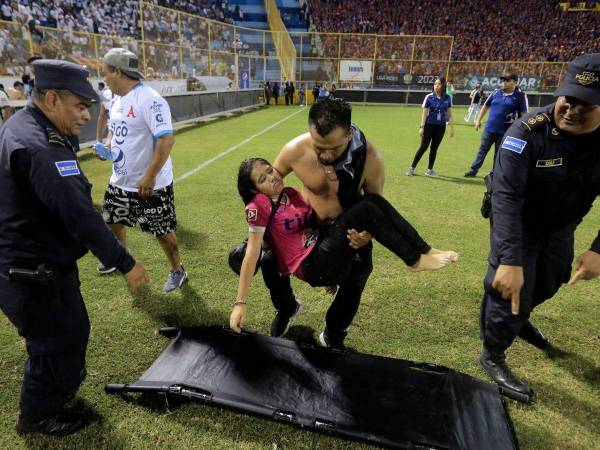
point(327, 114)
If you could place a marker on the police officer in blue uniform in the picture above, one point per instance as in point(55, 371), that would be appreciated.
point(546, 177)
point(48, 222)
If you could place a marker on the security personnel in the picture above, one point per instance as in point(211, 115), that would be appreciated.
point(545, 180)
point(48, 222)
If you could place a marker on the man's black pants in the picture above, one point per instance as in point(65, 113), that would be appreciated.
point(334, 262)
point(546, 266)
point(54, 322)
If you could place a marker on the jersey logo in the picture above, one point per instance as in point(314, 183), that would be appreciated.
point(67, 168)
point(549, 162)
point(131, 113)
point(513, 144)
point(251, 214)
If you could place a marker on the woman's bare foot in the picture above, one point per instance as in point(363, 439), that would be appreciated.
point(434, 260)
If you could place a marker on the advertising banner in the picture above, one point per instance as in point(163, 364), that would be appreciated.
point(352, 70)
point(526, 83)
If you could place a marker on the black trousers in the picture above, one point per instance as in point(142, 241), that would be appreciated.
point(546, 266)
point(333, 261)
point(432, 134)
point(54, 322)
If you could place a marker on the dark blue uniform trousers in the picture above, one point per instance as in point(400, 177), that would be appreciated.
point(54, 322)
point(547, 262)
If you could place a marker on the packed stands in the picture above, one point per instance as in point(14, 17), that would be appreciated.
point(536, 30)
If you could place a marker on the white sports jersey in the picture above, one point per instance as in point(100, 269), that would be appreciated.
point(137, 120)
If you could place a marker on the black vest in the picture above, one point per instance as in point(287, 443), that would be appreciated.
point(349, 169)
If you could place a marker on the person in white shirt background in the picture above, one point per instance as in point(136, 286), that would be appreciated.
point(140, 139)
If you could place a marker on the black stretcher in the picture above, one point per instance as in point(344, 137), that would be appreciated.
point(384, 401)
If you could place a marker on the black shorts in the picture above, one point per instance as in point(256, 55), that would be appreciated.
point(155, 214)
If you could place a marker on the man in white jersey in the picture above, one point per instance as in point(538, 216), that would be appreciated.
point(140, 140)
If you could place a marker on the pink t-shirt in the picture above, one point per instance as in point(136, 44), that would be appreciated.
point(291, 236)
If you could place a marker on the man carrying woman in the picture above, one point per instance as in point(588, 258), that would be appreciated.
point(336, 166)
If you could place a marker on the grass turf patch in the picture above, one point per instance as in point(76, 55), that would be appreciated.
point(429, 317)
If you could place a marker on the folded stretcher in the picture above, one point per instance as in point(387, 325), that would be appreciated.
point(384, 401)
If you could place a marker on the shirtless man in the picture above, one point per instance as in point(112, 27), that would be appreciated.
point(336, 165)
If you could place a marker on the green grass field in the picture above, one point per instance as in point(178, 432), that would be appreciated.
point(429, 317)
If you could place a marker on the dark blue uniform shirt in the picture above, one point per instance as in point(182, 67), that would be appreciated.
point(544, 180)
point(504, 109)
point(46, 210)
point(438, 108)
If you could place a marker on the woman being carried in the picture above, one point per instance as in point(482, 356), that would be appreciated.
point(293, 237)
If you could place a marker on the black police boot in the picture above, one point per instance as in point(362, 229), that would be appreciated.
point(535, 337)
point(60, 424)
point(494, 364)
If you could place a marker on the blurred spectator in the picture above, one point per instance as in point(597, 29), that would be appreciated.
point(17, 92)
point(267, 92)
point(332, 91)
point(315, 92)
point(323, 92)
point(275, 91)
point(301, 93)
point(476, 97)
point(5, 109)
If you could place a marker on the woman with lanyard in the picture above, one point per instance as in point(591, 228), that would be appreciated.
point(436, 113)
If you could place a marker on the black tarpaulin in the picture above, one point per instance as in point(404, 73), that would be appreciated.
point(384, 401)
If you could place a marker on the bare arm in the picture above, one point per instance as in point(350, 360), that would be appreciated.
point(238, 314)
point(164, 144)
point(100, 124)
point(424, 115)
point(374, 171)
point(480, 116)
point(285, 160)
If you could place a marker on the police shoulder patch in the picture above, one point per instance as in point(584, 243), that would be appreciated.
point(536, 121)
point(54, 137)
point(513, 144)
point(67, 168)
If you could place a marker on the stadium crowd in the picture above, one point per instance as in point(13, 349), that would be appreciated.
point(112, 17)
point(536, 30)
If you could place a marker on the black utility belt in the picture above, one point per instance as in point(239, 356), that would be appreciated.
point(42, 275)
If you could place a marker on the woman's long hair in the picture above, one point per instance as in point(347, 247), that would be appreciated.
point(245, 185)
point(444, 86)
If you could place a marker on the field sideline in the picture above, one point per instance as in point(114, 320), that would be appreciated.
point(430, 317)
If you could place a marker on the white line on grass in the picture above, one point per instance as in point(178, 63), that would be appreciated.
point(235, 147)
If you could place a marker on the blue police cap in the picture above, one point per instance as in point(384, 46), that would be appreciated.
point(58, 74)
point(582, 80)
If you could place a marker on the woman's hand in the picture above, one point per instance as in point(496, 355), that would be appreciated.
point(421, 131)
point(237, 319)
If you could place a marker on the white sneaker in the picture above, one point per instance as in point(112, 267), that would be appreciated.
point(410, 172)
point(431, 173)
